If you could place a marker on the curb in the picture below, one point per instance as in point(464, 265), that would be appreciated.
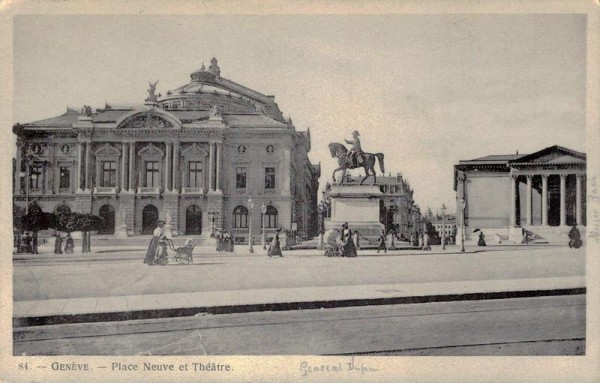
point(191, 311)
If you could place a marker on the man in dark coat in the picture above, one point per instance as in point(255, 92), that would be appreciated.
point(382, 245)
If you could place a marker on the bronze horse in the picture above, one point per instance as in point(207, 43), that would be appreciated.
point(345, 163)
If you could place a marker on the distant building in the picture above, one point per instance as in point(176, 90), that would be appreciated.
point(397, 207)
point(543, 193)
point(192, 157)
point(445, 225)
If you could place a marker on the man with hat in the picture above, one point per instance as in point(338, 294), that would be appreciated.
point(158, 240)
point(355, 150)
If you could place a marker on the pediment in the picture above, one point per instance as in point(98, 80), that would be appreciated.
point(150, 150)
point(148, 122)
point(553, 155)
point(107, 150)
point(194, 150)
point(148, 119)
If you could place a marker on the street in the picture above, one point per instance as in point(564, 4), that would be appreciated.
point(124, 274)
point(526, 326)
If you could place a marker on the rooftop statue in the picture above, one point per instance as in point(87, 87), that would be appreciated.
point(355, 158)
point(152, 92)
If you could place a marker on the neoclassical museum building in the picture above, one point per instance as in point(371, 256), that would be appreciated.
point(542, 192)
point(211, 153)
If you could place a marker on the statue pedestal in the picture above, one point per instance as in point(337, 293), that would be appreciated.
point(359, 206)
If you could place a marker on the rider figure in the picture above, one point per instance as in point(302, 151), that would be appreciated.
point(355, 150)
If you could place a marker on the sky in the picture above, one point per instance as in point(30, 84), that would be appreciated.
point(425, 90)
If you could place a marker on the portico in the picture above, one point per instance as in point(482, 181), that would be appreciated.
point(543, 192)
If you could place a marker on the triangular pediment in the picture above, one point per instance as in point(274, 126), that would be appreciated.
point(150, 151)
point(552, 155)
point(107, 150)
point(194, 151)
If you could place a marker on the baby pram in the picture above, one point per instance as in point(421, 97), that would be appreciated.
point(330, 244)
point(183, 254)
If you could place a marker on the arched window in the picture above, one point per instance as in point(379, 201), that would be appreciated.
point(240, 217)
point(270, 218)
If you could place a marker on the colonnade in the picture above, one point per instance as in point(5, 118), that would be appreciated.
point(544, 198)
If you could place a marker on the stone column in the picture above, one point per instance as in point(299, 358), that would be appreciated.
point(175, 165)
point(124, 166)
point(79, 165)
point(88, 163)
point(513, 200)
point(219, 159)
point(544, 200)
point(167, 167)
point(529, 207)
point(211, 165)
point(578, 212)
point(563, 199)
point(131, 186)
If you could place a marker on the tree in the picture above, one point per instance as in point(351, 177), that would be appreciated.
point(84, 223)
point(36, 220)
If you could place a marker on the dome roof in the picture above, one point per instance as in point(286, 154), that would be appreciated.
point(207, 89)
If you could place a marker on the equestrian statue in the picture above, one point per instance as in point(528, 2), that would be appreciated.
point(355, 158)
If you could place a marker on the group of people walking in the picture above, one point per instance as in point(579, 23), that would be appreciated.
point(157, 249)
point(69, 244)
point(225, 241)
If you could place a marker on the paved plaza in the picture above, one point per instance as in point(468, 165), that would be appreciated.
point(119, 282)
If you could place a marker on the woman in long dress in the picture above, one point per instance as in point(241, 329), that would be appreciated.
point(69, 244)
point(275, 246)
point(349, 249)
point(154, 243)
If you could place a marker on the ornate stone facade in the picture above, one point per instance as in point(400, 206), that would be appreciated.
point(194, 156)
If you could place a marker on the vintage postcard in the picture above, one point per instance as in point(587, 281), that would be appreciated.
point(300, 191)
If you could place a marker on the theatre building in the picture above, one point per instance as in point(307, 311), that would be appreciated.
point(209, 154)
point(543, 193)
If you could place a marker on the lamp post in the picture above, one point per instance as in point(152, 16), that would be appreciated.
point(251, 207)
point(463, 203)
point(322, 211)
point(443, 227)
point(263, 210)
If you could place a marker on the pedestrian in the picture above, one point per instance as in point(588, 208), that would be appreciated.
point(34, 243)
point(275, 246)
point(481, 241)
point(349, 250)
point(157, 243)
point(575, 238)
point(219, 240)
point(58, 244)
point(357, 242)
point(228, 242)
point(69, 244)
point(26, 240)
point(382, 245)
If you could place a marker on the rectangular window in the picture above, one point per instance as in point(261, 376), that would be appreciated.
point(64, 177)
point(152, 174)
point(269, 178)
point(109, 174)
point(37, 171)
point(240, 178)
point(195, 174)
